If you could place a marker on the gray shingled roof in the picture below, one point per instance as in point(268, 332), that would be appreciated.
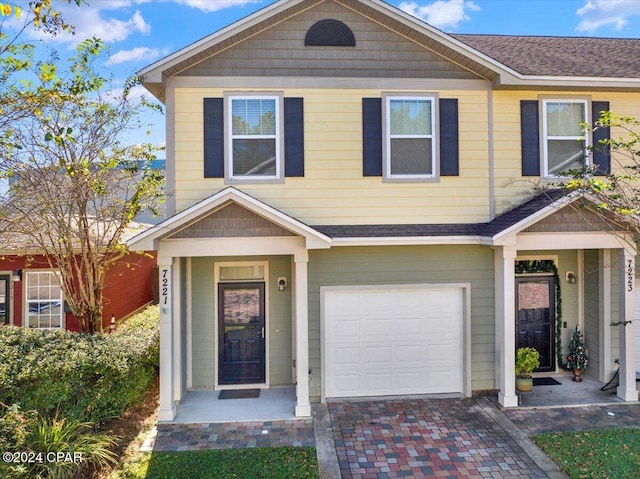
point(561, 56)
point(491, 228)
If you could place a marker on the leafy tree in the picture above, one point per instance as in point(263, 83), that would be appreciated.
point(18, 57)
point(75, 186)
point(617, 195)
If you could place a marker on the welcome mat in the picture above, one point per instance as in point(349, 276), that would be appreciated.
point(545, 382)
point(239, 394)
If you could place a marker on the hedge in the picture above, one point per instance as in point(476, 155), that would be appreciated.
point(78, 376)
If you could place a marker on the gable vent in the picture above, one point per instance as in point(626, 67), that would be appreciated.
point(329, 33)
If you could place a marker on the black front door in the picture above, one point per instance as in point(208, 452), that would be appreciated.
point(535, 318)
point(241, 332)
point(5, 294)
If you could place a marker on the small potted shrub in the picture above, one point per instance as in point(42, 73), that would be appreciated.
point(577, 359)
point(527, 359)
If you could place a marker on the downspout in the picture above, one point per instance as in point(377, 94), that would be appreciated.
point(492, 179)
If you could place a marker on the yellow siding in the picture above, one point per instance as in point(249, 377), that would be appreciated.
point(333, 190)
point(511, 188)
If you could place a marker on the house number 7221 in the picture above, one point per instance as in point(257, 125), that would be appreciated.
point(165, 287)
point(630, 275)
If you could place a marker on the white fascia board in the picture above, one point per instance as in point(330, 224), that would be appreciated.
point(412, 240)
point(144, 240)
point(153, 72)
point(568, 81)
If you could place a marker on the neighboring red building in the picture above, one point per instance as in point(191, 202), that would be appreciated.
point(30, 295)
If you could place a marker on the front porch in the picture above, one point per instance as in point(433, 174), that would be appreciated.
point(596, 273)
point(569, 393)
point(205, 406)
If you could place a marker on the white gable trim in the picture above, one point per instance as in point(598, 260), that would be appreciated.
point(154, 72)
point(149, 239)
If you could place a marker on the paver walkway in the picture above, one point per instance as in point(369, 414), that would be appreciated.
point(191, 437)
point(451, 438)
point(537, 421)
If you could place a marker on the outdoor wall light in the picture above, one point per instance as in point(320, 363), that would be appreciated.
point(570, 277)
point(16, 275)
point(282, 283)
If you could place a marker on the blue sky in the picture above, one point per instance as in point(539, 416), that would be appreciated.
point(140, 32)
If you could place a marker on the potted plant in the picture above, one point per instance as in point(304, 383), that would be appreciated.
point(527, 359)
point(577, 359)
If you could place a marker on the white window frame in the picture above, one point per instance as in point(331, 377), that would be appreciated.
point(544, 138)
point(27, 301)
point(434, 136)
point(279, 140)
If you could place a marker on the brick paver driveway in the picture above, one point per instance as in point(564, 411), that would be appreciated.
point(448, 438)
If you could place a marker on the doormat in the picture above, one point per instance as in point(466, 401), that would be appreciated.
point(545, 382)
point(239, 394)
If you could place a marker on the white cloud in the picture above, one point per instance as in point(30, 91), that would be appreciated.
point(138, 53)
point(92, 20)
point(215, 5)
point(441, 13)
point(600, 13)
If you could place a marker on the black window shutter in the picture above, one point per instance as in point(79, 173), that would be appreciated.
point(530, 135)
point(213, 138)
point(449, 152)
point(372, 136)
point(293, 137)
point(601, 153)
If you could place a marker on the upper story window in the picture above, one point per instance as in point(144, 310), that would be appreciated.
point(410, 139)
point(44, 300)
point(563, 142)
point(254, 142)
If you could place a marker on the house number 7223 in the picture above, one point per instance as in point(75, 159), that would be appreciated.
point(165, 287)
point(630, 275)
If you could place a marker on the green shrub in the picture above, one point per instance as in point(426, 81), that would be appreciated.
point(90, 378)
point(35, 447)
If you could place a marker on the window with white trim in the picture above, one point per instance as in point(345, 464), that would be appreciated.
point(254, 137)
point(564, 142)
point(44, 300)
point(410, 137)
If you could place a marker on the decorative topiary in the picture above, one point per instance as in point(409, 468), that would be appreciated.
point(527, 359)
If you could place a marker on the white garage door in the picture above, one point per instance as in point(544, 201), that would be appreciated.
point(390, 340)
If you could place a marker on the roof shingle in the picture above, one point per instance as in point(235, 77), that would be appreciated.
point(561, 56)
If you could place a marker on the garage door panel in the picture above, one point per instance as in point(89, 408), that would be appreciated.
point(344, 329)
point(346, 358)
point(410, 328)
point(393, 341)
point(376, 326)
point(382, 355)
point(411, 355)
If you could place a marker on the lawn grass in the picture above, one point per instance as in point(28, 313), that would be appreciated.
point(610, 453)
point(279, 462)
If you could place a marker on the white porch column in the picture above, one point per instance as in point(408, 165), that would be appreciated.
point(604, 301)
point(505, 306)
point(626, 296)
point(303, 407)
point(176, 296)
point(167, 411)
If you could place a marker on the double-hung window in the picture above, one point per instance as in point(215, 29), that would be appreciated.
point(44, 300)
point(254, 137)
point(410, 137)
point(564, 142)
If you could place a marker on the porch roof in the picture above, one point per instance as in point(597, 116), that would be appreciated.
point(516, 218)
point(148, 240)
